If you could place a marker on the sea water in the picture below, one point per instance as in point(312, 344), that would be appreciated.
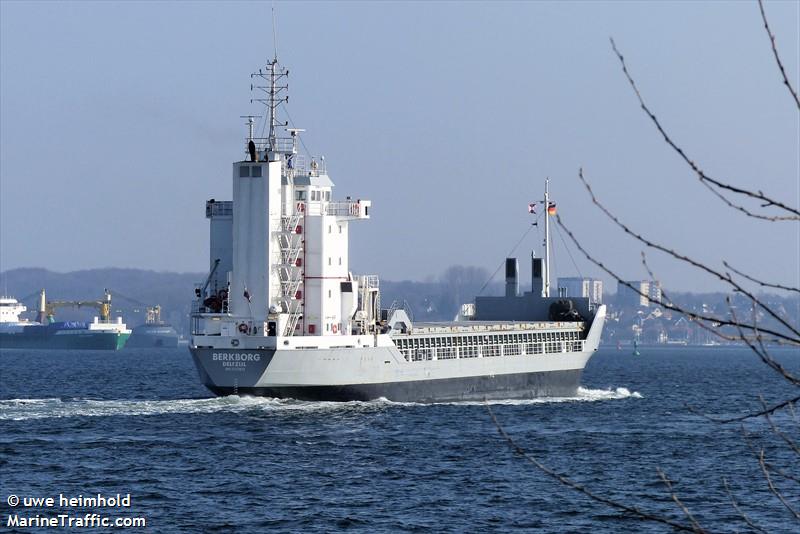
point(139, 423)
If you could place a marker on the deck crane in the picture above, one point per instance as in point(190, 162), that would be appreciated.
point(47, 309)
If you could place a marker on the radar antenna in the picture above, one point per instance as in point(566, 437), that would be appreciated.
point(251, 121)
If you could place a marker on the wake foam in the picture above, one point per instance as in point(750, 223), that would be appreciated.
point(26, 409)
point(583, 395)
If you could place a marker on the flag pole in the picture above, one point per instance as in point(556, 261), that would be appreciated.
point(546, 285)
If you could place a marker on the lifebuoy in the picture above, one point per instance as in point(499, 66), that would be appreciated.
point(243, 328)
point(301, 207)
point(334, 328)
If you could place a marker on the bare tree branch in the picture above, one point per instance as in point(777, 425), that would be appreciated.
point(772, 487)
point(688, 313)
point(775, 53)
point(639, 514)
point(667, 482)
point(794, 213)
point(761, 351)
point(681, 257)
point(789, 441)
point(781, 473)
point(760, 282)
point(739, 510)
point(751, 415)
point(699, 322)
point(774, 469)
point(721, 321)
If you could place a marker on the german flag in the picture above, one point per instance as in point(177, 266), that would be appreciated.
point(551, 208)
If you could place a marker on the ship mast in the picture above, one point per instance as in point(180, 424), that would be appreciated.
point(546, 284)
point(275, 96)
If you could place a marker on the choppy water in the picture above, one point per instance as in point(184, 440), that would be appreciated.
point(138, 422)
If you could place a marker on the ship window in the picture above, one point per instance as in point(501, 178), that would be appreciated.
point(329, 260)
point(327, 195)
point(329, 228)
point(244, 171)
point(300, 195)
point(256, 171)
point(340, 228)
point(329, 293)
point(340, 260)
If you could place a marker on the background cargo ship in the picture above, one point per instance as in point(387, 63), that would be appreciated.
point(154, 333)
point(45, 333)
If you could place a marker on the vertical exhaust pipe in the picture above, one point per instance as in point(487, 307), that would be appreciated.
point(512, 277)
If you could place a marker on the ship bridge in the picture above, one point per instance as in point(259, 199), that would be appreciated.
point(279, 262)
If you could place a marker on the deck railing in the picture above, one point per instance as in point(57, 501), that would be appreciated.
point(491, 351)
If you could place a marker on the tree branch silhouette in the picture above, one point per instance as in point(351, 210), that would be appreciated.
point(775, 53)
point(633, 510)
point(793, 213)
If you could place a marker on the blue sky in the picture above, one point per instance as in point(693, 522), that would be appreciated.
point(118, 120)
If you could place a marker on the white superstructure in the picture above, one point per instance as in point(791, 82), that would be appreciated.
point(10, 311)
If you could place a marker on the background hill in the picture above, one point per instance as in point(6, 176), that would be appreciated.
point(436, 299)
point(133, 290)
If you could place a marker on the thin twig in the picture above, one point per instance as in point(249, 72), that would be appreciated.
point(775, 53)
point(772, 487)
point(704, 178)
point(667, 482)
point(789, 441)
point(751, 415)
point(761, 352)
point(699, 322)
point(581, 489)
point(772, 468)
point(739, 510)
point(680, 257)
point(760, 282)
point(722, 322)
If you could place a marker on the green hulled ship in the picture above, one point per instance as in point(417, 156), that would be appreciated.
point(47, 334)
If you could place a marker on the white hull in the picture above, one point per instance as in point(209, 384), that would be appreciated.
point(363, 367)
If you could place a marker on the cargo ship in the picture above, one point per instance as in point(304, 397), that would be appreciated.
point(48, 334)
point(154, 333)
point(281, 314)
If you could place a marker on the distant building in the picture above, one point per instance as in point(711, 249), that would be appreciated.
point(596, 293)
point(581, 287)
point(638, 296)
point(654, 293)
